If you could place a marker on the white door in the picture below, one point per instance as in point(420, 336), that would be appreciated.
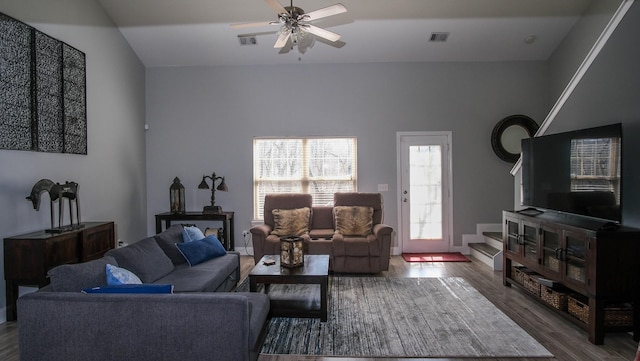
point(425, 191)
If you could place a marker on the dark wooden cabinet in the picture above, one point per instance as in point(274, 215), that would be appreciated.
point(28, 257)
point(600, 265)
point(521, 240)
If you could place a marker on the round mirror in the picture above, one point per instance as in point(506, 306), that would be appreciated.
point(507, 134)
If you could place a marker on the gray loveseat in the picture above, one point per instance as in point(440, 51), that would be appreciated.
point(59, 322)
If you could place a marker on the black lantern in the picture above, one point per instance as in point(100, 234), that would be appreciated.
point(291, 253)
point(176, 196)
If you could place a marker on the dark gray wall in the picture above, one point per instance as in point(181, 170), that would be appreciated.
point(572, 51)
point(610, 93)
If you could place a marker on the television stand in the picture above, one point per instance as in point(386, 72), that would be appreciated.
point(593, 269)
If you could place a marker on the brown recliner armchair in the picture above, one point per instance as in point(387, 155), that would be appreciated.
point(264, 242)
point(361, 253)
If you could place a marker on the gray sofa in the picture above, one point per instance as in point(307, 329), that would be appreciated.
point(196, 322)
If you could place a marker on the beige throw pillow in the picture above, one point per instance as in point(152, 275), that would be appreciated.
point(353, 220)
point(290, 222)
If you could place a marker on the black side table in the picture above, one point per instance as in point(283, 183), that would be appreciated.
point(225, 217)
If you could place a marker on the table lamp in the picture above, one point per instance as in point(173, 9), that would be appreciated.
point(222, 186)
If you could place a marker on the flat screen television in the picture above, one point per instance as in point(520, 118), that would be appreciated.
point(577, 172)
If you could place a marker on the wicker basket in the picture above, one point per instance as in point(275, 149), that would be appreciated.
point(618, 315)
point(531, 284)
point(517, 274)
point(555, 298)
point(578, 309)
point(614, 315)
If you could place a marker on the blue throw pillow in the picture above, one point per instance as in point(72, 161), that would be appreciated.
point(146, 288)
point(120, 276)
point(196, 252)
point(191, 233)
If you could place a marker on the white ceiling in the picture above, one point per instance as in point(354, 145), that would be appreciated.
point(197, 32)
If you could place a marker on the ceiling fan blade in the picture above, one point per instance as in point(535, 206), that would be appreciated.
point(324, 12)
point(325, 34)
point(251, 25)
point(282, 39)
point(275, 5)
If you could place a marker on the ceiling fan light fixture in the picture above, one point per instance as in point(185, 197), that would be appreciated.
point(295, 27)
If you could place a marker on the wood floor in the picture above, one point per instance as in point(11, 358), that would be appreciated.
point(563, 339)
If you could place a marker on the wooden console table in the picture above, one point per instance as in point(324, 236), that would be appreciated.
point(225, 217)
point(28, 257)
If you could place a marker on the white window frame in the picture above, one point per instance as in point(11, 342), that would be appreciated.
point(304, 180)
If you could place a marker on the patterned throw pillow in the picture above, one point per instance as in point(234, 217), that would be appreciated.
point(353, 220)
point(291, 222)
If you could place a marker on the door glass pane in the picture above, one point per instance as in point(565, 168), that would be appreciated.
point(530, 243)
point(575, 247)
point(512, 230)
point(575, 270)
point(551, 244)
point(426, 191)
point(575, 258)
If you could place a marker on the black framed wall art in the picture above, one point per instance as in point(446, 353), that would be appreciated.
point(42, 91)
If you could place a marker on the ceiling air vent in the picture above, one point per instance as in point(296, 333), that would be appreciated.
point(438, 37)
point(247, 40)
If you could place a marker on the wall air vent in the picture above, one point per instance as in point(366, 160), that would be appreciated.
point(247, 40)
point(438, 37)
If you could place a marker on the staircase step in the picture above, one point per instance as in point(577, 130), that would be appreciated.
point(493, 235)
point(493, 239)
point(485, 249)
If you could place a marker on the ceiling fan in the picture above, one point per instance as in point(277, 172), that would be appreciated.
point(294, 22)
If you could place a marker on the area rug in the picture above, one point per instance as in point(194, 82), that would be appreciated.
point(401, 317)
point(435, 257)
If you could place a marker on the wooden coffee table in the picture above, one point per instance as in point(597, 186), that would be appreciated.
point(314, 271)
